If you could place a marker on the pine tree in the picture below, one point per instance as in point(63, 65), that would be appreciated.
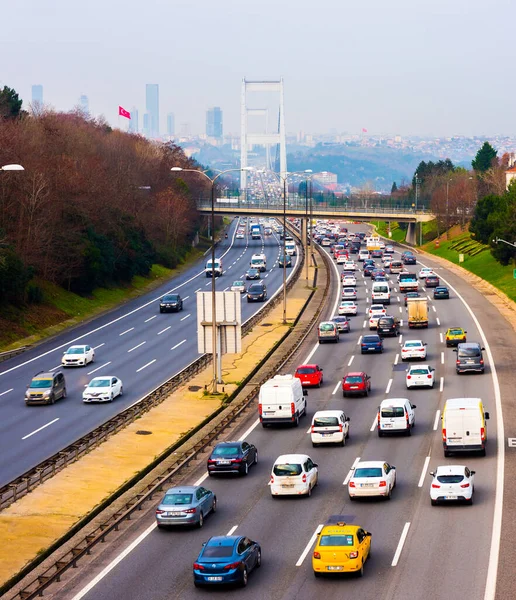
point(484, 158)
point(394, 187)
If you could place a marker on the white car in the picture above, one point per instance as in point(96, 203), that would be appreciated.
point(377, 308)
point(77, 356)
point(103, 389)
point(347, 307)
point(420, 376)
point(329, 427)
point(238, 286)
point(387, 261)
point(386, 258)
point(240, 235)
point(425, 272)
point(341, 259)
point(349, 292)
point(293, 475)
point(373, 318)
point(349, 280)
point(350, 266)
point(452, 483)
point(413, 349)
point(372, 478)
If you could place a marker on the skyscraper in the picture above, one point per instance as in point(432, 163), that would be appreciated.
point(146, 126)
point(133, 123)
point(171, 124)
point(84, 103)
point(37, 94)
point(152, 107)
point(214, 122)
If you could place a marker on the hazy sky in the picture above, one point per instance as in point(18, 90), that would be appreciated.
point(443, 67)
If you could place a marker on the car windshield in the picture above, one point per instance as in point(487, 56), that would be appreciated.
point(226, 451)
point(353, 379)
point(325, 421)
point(306, 370)
point(336, 540)
point(469, 352)
point(440, 289)
point(41, 383)
point(326, 326)
point(238, 283)
point(255, 289)
point(99, 383)
point(450, 478)
point(217, 551)
point(370, 339)
point(287, 470)
point(170, 298)
point(392, 411)
point(76, 350)
point(256, 261)
point(349, 291)
point(383, 289)
point(418, 371)
point(368, 472)
point(382, 322)
point(177, 499)
point(346, 304)
point(412, 344)
point(455, 331)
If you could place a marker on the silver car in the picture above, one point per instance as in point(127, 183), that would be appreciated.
point(185, 505)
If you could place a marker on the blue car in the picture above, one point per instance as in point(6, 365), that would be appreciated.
point(226, 560)
point(371, 343)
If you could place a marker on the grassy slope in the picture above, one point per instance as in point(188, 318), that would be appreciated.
point(382, 227)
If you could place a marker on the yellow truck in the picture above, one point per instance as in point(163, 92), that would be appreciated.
point(374, 243)
point(417, 312)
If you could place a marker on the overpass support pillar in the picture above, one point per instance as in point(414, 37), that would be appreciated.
point(410, 238)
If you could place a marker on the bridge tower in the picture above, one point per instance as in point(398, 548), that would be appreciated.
point(264, 139)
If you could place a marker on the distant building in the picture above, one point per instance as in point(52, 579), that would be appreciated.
point(510, 173)
point(171, 124)
point(84, 103)
point(152, 107)
point(325, 178)
point(146, 124)
point(214, 122)
point(133, 123)
point(37, 94)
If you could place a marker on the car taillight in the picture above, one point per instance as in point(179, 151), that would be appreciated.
point(434, 485)
point(303, 479)
point(464, 485)
point(353, 554)
point(211, 461)
point(378, 344)
point(409, 376)
point(198, 567)
point(292, 408)
point(406, 418)
point(483, 433)
point(457, 362)
point(317, 555)
point(190, 511)
point(481, 361)
point(260, 409)
point(341, 427)
point(444, 435)
point(272, 479)
point(383, 483)
point(236, 460)
point(234, 565)
point(313, 429)
point(352, 484)
point(429, 377)
point(159, 512)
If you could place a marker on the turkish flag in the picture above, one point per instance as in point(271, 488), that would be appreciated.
point(123, 113)
point(364, 130)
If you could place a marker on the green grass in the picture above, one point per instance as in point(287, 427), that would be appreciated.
point(382, 227)
point(479, 262)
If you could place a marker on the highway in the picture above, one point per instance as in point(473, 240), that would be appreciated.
point(133, 342)
point(418, 551)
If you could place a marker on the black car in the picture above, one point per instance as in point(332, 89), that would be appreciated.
point(411, 295)
point(371, 343)
point(252, 274)
point(170, 303)
point(232, 457)
point(432, 281)
point(377, 272)
point(388, 325)
point(376, 253)
point(257, 292)
point(469, 358)
point(368, 270)
point(342, 323)
point(441, 293)
point(285, 260)
point(409, 259)
point(368, 261)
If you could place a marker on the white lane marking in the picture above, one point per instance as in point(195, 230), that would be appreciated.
point(114, 562)
point(400, 339)
point(441, 337)
point(186, 298)
point(438, 322)
point(436, 421)
point(339, 383)
point(350, 472)
point(232, 530)
point(99, 346)
point(147, 365)
point(423, 472)
point(403, 537)
point(250, 430)
point(186, 317)
point(441, 385)
point(126, 331)
point(39, 429)
point(429, 299)
point(367, 299)
point(163, 330)
point(363, 326)
point(388, 388)
point(312, 352)
point(197, 290)
point(150, 319)
point(433, 308)
point(401, 322)
point(177, 345)
point(54, 368)
point(309, 429)
point(375, 424)
point(351, 360)
point(136, 347)
point(98, 368)
point(424, 289)
point(442, 358)
point(396, 359)
point(201, 479)
point(359, 341)
point(209, 283)
point(309, 546)
point(401, 310)
point(6, 392)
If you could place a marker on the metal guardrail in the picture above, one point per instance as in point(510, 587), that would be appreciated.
point(10, 353)
point(25, 483)
point(70, 558)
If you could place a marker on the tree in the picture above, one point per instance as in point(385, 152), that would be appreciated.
point(484, 159)
point(394, 187)
point(10, 104)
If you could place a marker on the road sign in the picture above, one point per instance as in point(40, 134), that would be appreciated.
point(511, 442)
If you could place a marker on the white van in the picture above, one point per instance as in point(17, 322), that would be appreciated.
point(217, 270)
point(464, 426)
point(290, 248)
point(380, 292)
point(282, 400)
point(363, 255)
point(293, 474)
point(329, 427)
point(395, 415)
point(258, 261)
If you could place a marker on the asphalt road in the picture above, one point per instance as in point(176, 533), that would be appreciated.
point(134, 342)
point(446, 550)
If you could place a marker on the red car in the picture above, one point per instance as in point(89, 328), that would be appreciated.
point(356, 384)
point(309, 375)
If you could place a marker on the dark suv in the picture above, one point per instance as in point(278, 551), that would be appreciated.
point(469, 358)
point(257, 292)
point(388, 325)
point(45, 388)
point(170, 302)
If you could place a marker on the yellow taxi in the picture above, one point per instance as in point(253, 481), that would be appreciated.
point(341, 548)
point(455, 336)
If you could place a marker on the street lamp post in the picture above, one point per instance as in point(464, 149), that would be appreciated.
point(308, 178)
point(447, 210)
point(284, 250)
point(214, 336)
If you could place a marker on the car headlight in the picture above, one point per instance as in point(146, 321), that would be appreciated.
point(47, 392)
point(27, 394)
